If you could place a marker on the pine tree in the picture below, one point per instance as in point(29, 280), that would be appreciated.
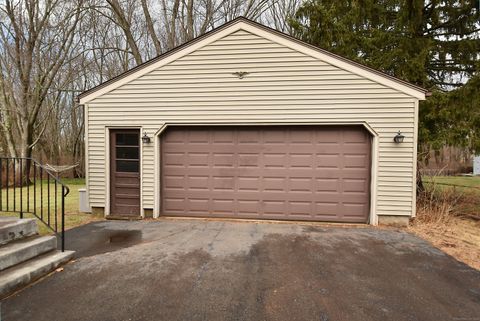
point(432, 43)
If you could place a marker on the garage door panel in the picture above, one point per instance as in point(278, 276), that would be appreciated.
point(275, 137)
point(175, 182)
point(247, 183)
point(189, 148)
point(173, 137)
point(222, 206)
point(326, 208)
point(174, 205)
point(325, 160)
point(248, 136)
point(273, 207)
point(354, 136)
point(198, 206)
point(273, 160)
point(301, 136)
point(300, 160)
point(331, 137)
point(324, 184)
point(223, 183)
point(198, 159)
point(247, 206)
point(300, 184)
point(223, 159)
point(355, 147)
point(354, 198)
point(298, 173)
point(249, 149)
point(326, 147)
point(353, 209)
point(300, 149)
point(355, 185)
point(300, 208)
point(197, 182)
point(329, 173)
point(355, 161)
point(174, 159)
point(275, 184)
point(328, 197)
point(224, 136)
point(198, 136)
point(250, 159)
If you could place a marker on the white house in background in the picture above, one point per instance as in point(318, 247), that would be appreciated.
point(476, 165)
point(247, 122)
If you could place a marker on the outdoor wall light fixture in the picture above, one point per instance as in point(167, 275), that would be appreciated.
point(398, 138)
point(145, 138)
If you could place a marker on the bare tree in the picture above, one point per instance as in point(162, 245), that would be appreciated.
point(35, 42)
point(278, 14)
point(151, 27)
point(123, 17)
point(50, 50)
point(183, 20)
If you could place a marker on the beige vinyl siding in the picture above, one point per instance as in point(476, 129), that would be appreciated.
point(283, 86)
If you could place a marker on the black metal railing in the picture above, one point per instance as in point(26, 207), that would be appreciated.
point(27, 187)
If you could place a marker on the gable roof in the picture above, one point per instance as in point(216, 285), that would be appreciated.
point(242, 23)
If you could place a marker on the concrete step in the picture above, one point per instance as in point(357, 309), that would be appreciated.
point(25, 273)
point(12, 228)
point(20, 251)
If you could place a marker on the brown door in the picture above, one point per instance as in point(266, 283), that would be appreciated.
point(315, 173)
point(125, 172)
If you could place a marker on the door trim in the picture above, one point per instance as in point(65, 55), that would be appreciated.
point(372, 218)
point(107, 210)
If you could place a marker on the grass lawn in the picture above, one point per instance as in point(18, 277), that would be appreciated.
point(458, 234)
point(72, 216)
point(461, 182)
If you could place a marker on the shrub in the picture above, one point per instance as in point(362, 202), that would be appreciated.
point(438, 204)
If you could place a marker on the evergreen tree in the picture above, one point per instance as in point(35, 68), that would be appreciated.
point(452, 118)
point(432, 43)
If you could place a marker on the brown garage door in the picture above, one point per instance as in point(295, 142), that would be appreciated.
point(315, 173)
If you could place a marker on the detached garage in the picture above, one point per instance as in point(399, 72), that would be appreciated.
point(247, 122)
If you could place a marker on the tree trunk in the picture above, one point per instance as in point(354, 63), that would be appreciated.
point(124, 23)
point(151, 28)
point(23, 164)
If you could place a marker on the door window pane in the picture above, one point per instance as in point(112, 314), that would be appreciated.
point(127, 152)
point(127, 166)
point(127, 139)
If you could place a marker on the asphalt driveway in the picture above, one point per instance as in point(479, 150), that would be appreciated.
point(213, 270)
